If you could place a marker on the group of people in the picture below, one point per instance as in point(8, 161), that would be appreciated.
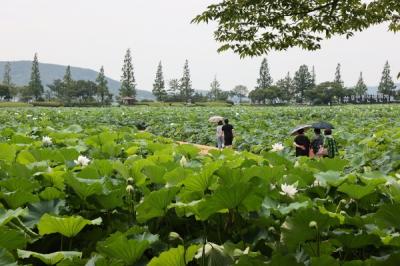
point(319, 146)
point(225, 134)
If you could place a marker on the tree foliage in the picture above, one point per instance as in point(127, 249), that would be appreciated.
point(302, 81)
point(102, 88)
point(387, 86)
point(128, 85)
point(35, 87)
point(186, 89)
point(159, 84)
point(253, 28)
point(360, 88)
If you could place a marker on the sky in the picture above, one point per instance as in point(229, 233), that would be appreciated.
point(92, 33)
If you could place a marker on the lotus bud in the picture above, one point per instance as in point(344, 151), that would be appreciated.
point(174, 236)
point(343, 213)
point(129, 189)
point(130, 181)
point(313, 224)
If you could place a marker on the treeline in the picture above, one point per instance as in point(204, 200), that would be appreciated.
point(302, 88)
point(66, 91)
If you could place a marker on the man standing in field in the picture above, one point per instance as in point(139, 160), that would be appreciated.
point(228, 133)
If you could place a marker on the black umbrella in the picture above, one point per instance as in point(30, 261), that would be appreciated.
point(305, 127)
point(322, 125)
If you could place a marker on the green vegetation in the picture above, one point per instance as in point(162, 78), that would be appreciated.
point(85, 187)
point(253, 28)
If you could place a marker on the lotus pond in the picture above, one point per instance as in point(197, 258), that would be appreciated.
point(110, 186)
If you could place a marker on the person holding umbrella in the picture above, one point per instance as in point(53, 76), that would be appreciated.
point(220, 135)
point(301, 141)
point(317, 142)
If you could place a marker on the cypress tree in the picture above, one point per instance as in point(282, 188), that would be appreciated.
point(68, 85)
point(360, 88)
point(286, 87)
point(265, 79)
point(7, 81)
point(215, 90)
point(102, 88)
point(386, 86)
point(35, 86)
point(186, 90)
point(159, 84)
point(338, 76)
point(128, 86)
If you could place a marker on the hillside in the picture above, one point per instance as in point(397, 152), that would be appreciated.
point(20, 72)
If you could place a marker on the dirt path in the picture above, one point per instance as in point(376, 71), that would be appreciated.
point(203, 148)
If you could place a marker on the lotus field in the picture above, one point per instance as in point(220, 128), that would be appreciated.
point(110, 186)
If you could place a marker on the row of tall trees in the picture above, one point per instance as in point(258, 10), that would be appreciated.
point(303, 88)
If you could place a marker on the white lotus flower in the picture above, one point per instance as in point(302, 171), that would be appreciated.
point(28, 116)
point(277, 147)
point(82, 161)
point(47, 141)
point(207, 249)
point(183, 162)
point(289, 190)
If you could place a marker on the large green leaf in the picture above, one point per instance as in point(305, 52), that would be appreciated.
point(8, 152)
point(331, 178)
point(296, 229)
point(6, 258)
point(18, 198)
point(67, 226)
point(175, 257)
point(7, 216)
point(117, 246)
point(38, 209)
point(356, 191)
point(49, 259)
point(155, 204)
point(387, 216)
point(85, 187)
point(229, 198)
point(11, 239)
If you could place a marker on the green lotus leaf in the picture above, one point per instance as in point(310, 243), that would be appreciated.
point(324, 260)
point(154, 173)
point(356, 191)
point(67, 226)
point(51, 193)
point(284, 260)
point(18, 198)
point(6, 258)
point(176, 176)
point(38, 209)
point(11, 239)
point(7, 215)
point(355, 241)
point(175, 257)
point(49, 259)
point(85, 187)
point(296, 229)
point(155, 204)
point(117, 246)
point(387, 216)
point(228, 198)
point(25, 158)
point(8, 152)
point(330, 177)
point(18, 183)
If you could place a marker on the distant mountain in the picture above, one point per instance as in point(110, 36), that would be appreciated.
point(21, 71)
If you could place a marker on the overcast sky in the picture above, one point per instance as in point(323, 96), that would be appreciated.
point(91, 33)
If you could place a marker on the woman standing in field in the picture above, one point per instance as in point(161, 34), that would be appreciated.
point(228, 133)
point(220, 136)
point(302, 143)
point(330, 144)
point(317, 142)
